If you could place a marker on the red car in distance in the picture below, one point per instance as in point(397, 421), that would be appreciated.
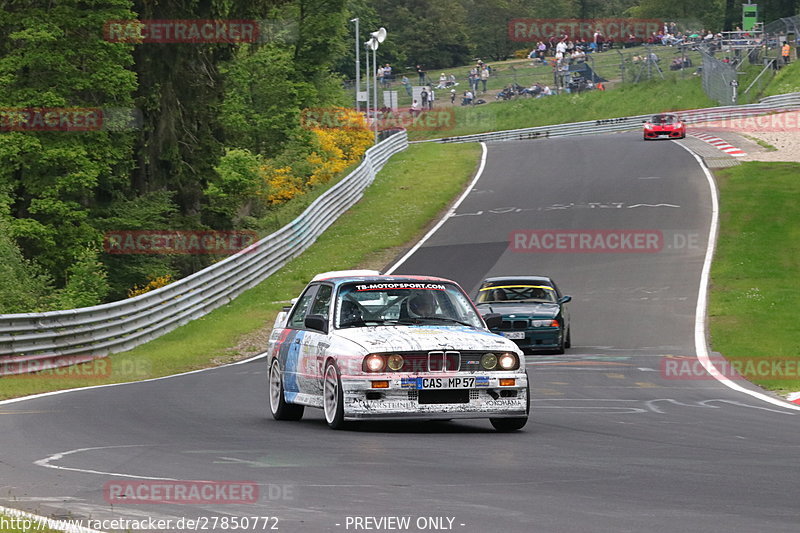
point(667, 125)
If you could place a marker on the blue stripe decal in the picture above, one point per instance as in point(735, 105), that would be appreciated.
point(292, 360)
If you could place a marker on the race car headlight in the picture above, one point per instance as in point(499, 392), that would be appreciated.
point(508, 361)
point(648, 126)
point(374, 363)
point(489, 361)
point(395, 362)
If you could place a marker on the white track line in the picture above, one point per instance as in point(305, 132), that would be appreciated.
point(58, 456)
point(446, 216)
point(700, 343)
point(55, 393)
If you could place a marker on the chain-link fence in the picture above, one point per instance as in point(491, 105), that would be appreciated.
point(720, 79)
point(783, 26)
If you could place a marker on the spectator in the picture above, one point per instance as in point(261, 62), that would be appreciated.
point(467, 98)
point(387, 73)
point(431, 97)
point(424, 96)
point(786, 52)
point(407, 84)
point(473, 79)
point(421, 73)
point(414, 108)
point(442, 81)
point(451, 80)
point(380, 75)
point(452, 96)
point(484, 76)
point(541, 49)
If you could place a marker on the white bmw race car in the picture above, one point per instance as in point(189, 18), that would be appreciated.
point(364, 346)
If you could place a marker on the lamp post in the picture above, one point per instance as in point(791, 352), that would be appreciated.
point(358, 66)
point(370, 45)
point(376, 38)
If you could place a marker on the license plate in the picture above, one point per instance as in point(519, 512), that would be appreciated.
point(463, 382)
point(514, 335)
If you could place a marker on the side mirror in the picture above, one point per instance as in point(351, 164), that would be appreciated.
point(565, 299)
point(493, 320)
point(317, 323)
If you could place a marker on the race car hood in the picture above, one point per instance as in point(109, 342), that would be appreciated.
point(424, 338)
point(521, 310)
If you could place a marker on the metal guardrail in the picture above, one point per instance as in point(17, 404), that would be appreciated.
point(37, 341)
point(785, 102)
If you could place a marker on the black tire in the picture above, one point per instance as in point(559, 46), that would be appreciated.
point(568, 342)
point(278, 406)
point(562, 344)
point(333, 397)
point(506, 425)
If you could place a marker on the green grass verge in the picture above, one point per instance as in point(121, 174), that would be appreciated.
point(635, 99)
point(787, 80)
point(755, 292)
point(393, 212)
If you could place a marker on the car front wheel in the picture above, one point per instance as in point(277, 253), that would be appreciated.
point(280, 408)
point(333, 397)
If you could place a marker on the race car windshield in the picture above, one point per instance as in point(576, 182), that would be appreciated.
point(516, 293)
point(362, 304)
point(663, 119)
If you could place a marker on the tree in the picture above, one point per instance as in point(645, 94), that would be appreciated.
point(55, 63)
point(433, 34)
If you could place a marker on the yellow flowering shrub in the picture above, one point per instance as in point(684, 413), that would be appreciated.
point(340, 147)
point(156, 282)
point(282, 184)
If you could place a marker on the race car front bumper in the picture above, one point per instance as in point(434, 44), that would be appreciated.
point(410, 397)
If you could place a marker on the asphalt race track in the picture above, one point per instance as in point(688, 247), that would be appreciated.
point(615, 443)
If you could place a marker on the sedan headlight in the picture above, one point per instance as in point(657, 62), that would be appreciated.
point(374, 363)
point(395, 361)
point(508, 361)
point(489, 361)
